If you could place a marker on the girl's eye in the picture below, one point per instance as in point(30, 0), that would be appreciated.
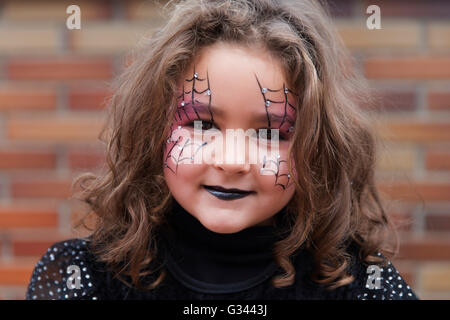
point(206, 125)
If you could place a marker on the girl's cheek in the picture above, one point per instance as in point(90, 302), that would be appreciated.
point(173, 141)
point(179, 148)
point(287, 132)
point(272, 168)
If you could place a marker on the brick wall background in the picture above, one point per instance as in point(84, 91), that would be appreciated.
point(53, 82)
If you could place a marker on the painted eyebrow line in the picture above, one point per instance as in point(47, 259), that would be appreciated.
point(261, 117)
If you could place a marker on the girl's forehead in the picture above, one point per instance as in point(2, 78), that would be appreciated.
point(230, 64)
point(236, 74)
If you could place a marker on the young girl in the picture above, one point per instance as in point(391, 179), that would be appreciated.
point(305, 221)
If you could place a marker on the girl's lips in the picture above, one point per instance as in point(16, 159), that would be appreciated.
point(227, 195)
point(232, 190)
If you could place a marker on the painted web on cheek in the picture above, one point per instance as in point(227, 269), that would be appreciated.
point(276, 171)
point(182, 109)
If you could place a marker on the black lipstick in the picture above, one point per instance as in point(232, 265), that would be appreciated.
point(227, 194)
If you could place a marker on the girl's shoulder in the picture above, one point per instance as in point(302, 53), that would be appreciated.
point(377, 281)
point(371, 281)
point(65, 271)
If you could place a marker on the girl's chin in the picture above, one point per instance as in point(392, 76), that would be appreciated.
point(221, 225)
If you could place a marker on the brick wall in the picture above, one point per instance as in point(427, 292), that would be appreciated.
point(53, 82)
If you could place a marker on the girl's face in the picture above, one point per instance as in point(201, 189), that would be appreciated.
point(231, 87)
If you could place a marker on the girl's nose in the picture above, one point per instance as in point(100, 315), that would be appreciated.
point(233, 158)
point(233, 168)
point(231, 164)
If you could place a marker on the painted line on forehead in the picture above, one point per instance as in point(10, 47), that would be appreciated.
point(195, 76)
point(292, 109)
point(182, 108)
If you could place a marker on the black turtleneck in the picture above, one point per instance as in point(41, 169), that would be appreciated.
point(211, 262)
point(234, 266)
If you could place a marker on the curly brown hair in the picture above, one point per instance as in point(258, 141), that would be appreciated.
point(333, 147)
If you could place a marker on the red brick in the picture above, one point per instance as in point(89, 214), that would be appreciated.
point(396, 158)
point(80, 99)
point(62, 68)
point(438, 222)
point(16, 159)
point(412, 8)
point(14, 217)
point(21, 98)
point(85, 159)
point(437, 160)
point(144, 10)
point(392, 35)
point(416, 191)
point(389, 100)
point(15, 273)
point(425, 249)
point(408, 68)
point(439, 100)
point(40, 188)
point(55, 128)
point(341, 8)
point(36, 247)
point(415, 130)
point(435, 281)
point(438, 35)
point(49, 10)
point(117, 37)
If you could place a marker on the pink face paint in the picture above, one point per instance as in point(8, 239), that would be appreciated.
point(189, 111)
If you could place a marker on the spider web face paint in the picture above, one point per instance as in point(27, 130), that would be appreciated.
point(268, 102)
point(274, 165)
point(276, 171)
point(184, 106)
point(187, 110)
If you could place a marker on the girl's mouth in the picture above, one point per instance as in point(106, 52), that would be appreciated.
point(227, 194)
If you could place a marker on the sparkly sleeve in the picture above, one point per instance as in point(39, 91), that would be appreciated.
point(385, 283)
point(63, 273)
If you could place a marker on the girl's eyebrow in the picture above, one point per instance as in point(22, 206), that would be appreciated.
point(259, 117)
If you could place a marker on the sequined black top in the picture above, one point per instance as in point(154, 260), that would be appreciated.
point(204, 265)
